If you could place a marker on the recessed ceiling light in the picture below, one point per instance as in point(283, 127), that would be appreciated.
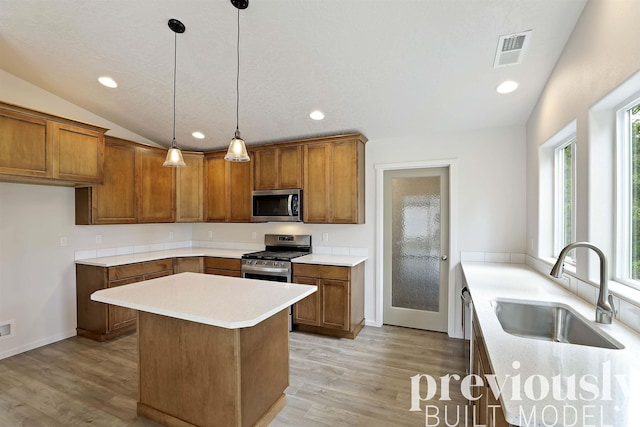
point(316, 115)
point(108, 82)
point(507, 87)
point(198, 135)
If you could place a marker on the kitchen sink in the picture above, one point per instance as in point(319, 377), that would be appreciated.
point(550, 322)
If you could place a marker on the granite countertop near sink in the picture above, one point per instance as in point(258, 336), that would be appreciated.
point(607, 391)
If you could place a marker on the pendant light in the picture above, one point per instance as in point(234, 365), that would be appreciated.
point(174, 156)
point(237, 150)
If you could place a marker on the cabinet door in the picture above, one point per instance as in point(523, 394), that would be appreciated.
point(307, 311)
point(119, 317)
point(241, 189)
point(78, 154)
point(188, 264)
point(335, 304)
point(317, 159)
point(216, 188)
point(156, 187)
point(266, 170)
point(25, 145)
point(114, 202)
point(189, 189)
point(345, 182)
point(290, 167)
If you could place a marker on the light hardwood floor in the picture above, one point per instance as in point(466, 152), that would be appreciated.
point(333, 382)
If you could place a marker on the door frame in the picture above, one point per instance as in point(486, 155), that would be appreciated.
point(454, 255)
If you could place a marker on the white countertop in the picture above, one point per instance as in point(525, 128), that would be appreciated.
point(325, 259)
point(227, 302)
point(112, 261)
point(487, 281)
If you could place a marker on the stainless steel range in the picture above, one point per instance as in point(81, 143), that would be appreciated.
point(274, 263)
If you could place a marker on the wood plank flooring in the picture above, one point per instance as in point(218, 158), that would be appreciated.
point(333, 381)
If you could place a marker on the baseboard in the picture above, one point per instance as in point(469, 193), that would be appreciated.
point(36, 344)
point(373, 323)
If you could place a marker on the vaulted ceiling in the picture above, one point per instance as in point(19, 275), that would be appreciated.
point(382, 67)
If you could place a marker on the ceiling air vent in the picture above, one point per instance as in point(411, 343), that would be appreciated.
point(511, 49)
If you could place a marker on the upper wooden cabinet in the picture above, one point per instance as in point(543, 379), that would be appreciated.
point(136, 188)
point(113, 202)
point(43, 149)
point(278, 167)
point(155, 186)
point(334, 180)
point(227, 187)
point(190, 189)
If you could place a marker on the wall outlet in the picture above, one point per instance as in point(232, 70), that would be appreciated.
point(98, 239)
point(254, 235)
point(211, 234)
point(325, 237)
point(171, 235)
point(6, 329)
point(63, 241)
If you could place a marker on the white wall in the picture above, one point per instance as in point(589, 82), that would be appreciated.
point(37, 275)
point(491, 198)
point(599, 56)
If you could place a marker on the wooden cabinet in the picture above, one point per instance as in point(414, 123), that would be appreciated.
point(222, 266)
point(278, 167)
point(136, 187)
point(113, 202)
point(43, 149)
point(228, 187)
point(486, 408)
point(190, 189)
point(337, 308)
point(188, 265)
point(155, 186)
point(334, 180)
point(100, 321)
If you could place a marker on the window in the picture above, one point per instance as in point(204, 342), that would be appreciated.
point(629, 194)
point(564, 196)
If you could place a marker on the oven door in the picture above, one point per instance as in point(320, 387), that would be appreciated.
point(262, 273)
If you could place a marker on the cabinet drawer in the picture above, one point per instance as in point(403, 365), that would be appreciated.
point(158, 265)
point(158, 274)
point(321, 271)
point(127, 270)
point(220, 272)
point(223, 263)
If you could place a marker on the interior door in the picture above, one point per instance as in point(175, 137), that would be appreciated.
point(416, 244)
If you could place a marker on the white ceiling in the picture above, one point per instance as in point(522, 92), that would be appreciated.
point(381, 67)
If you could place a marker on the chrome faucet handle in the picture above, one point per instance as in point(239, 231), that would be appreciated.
point(613, 307)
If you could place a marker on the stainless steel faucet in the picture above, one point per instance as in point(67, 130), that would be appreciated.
point(604, 307)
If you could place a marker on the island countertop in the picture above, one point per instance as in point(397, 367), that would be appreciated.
point(226, 302)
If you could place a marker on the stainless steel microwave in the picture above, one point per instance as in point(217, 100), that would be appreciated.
point(277, 205)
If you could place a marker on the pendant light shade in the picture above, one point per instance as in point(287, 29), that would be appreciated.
point(174, 156)
point(237, 151)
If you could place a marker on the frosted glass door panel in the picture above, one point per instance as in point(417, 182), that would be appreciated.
point(416, 243)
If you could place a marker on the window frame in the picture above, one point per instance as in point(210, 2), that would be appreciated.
point(558, 222)
point(623, 192)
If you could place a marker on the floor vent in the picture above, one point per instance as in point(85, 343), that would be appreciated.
point(511, 48)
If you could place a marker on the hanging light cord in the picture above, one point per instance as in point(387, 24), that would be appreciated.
point(238, 75)
point(175, 62)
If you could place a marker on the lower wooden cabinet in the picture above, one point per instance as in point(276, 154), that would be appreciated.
point(100, 321)
point(194, 264)
point(222, 266)
point(337, 308)
point(487, 409)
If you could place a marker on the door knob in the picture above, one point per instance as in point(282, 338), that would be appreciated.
point(444, 257)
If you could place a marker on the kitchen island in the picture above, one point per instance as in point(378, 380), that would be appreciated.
point(212, 350)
